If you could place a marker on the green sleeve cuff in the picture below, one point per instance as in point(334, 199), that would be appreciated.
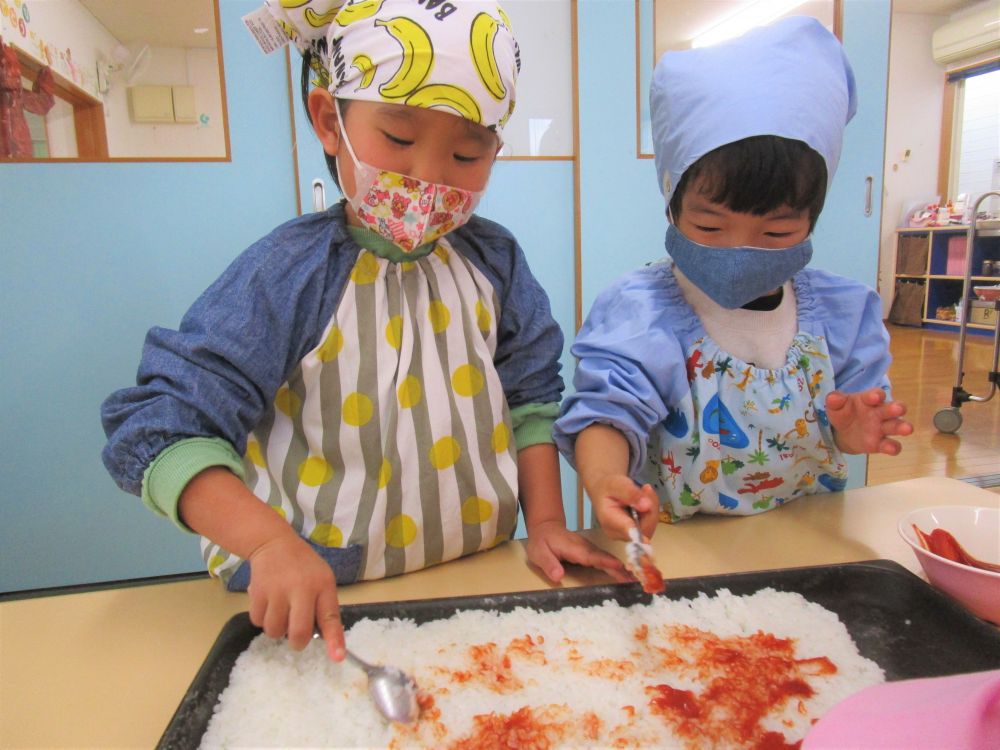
point(533, 423)
point(176, 465)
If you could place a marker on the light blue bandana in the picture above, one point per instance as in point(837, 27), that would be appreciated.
point(734, 276)
point(789, 79)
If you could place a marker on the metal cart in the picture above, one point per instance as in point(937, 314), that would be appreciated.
point(949, 419)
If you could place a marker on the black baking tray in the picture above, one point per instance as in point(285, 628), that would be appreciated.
point(896, 619)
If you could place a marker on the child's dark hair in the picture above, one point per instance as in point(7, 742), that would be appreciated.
point(310, 61)
point(758, 175)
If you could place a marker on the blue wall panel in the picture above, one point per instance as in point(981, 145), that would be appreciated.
point(622, 213)
point(534, 200)
point(846, 241)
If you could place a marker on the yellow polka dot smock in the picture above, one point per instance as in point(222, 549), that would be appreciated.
point(375, 400)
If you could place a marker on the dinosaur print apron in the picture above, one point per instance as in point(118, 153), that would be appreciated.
point(746, 439)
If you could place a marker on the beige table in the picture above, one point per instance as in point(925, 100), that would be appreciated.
point(108, 668)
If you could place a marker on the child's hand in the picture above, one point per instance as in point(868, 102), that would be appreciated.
point(612, 494)
point(862, 422)
point(293, 592)
point(550, 541)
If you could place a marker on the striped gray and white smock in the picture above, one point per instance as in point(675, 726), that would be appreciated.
point(399, 405)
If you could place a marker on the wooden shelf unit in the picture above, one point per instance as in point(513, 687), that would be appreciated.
point(922, 256)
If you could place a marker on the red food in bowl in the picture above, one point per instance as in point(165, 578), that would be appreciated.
point(979, 529)
point(943, 544)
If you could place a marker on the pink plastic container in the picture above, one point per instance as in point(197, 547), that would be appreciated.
point(976, 529)
point(955, 263)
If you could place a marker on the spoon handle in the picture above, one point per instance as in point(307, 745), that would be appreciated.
point(360, 662)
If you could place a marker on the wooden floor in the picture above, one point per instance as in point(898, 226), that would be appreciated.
point(923, 372)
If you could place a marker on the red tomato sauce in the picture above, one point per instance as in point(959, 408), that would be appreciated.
point(652, 578)
point(745, 679)
point(522, 729)
point(741, 681)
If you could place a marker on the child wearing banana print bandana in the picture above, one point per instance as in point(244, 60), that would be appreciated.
point(369, 390)
point(732, 379)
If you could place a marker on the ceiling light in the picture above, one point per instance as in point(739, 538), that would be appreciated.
point(201, 30)
point(757, 13)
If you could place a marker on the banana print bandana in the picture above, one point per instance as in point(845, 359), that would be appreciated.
point(458, 57)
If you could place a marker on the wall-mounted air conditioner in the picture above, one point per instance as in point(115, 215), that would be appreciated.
point(967, 35)
point(160, 104)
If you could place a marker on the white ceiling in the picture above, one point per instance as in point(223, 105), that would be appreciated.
point(159, 23)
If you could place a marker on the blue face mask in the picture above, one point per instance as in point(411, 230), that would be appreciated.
point(734, 276)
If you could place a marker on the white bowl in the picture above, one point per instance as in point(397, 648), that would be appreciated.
point(976, 529)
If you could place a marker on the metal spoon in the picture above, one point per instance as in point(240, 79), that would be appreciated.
point(393, 691)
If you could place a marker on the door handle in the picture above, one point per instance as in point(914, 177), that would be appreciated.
point(319, 195)
point(869, 184)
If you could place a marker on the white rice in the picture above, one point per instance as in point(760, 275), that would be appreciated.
point(281, 698)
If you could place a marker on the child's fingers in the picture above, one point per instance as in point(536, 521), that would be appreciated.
point(892, 410)
point(619, 524)
point(643, 499)
point(617, 496)
point(835, 401)
point(550, 565)
point(301, 619)
point(276, 617)
point(890, 447)
point(328, 622)
point(594, 557)
point(646, 502)
point(258, 607)
point(873, 396)
point(649, 518)
point(897, 427)
point(618, 574)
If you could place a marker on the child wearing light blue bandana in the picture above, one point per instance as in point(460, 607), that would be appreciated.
point(732, 379)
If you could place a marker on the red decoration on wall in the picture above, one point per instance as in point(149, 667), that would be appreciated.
point(15, 139)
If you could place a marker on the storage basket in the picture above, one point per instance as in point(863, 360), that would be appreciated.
point(907, 304)
point(911, 254)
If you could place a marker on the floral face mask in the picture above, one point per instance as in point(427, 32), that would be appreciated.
point(407, 211)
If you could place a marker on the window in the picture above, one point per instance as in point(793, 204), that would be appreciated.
point(73, 127)
point(36, 127)
point(100, 52)
point(975, 151)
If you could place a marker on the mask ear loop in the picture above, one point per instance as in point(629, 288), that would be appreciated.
point(350, 151)
point(343, 135)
